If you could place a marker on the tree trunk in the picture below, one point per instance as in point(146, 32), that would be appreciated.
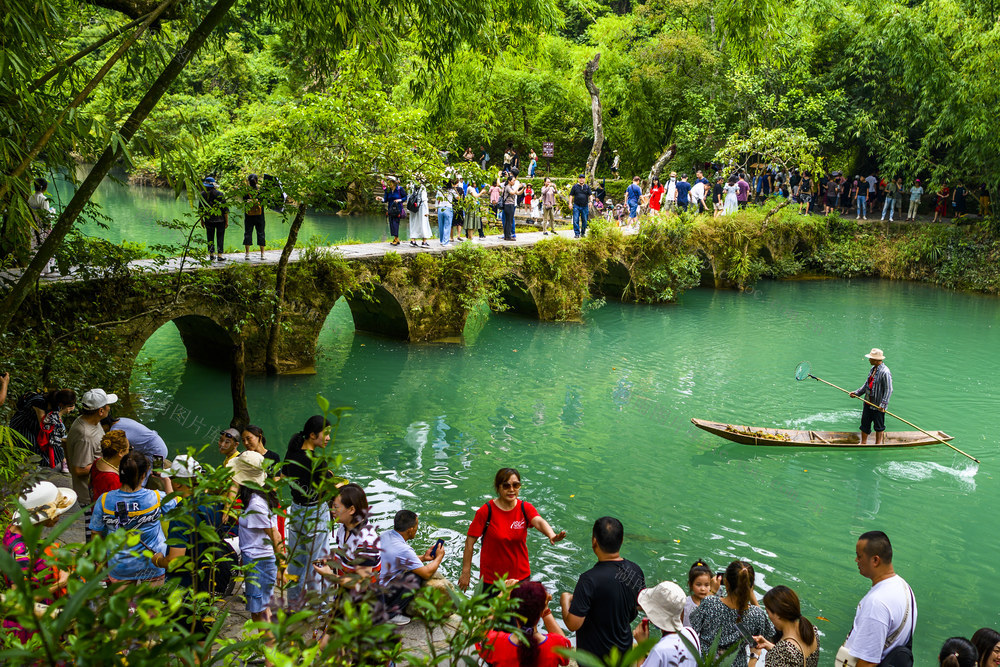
point(238, 387)
point(661, 162)
point(108, 158)
point(595, 107)
point(271, 359)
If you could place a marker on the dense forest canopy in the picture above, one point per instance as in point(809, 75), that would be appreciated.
point(332, 96)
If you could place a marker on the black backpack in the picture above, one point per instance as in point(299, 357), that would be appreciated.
point(394, 209)
point(413, 201)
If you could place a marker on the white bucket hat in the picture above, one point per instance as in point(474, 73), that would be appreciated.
point(248, 467)
point(45, 501)
point(875, 354)
point(664, 605)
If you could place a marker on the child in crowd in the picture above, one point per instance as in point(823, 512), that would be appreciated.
point(260, 542)
point(528, 194)
point(699, 588)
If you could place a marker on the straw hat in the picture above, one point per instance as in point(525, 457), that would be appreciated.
point(875, 354)
point(664, 605)
point(45, 501)
point(248, 467)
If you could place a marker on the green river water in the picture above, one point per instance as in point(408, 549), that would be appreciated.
point(596, 416)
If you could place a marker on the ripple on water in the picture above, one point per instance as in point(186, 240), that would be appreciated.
point(915, 471)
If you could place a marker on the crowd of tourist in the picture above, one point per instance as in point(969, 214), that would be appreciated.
point(120, 474)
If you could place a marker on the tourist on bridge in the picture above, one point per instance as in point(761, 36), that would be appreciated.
point(732, 201)
point(548, 207)
point(395, 200)
point(581, 195)
point(878, 389)
point(214, 216)
point(633, 194)
point(887, 614)
point(941, 203)
point(655, 196)
point(916, 192)
point(743, 191)
point(253, 218)
point(683, 193)
point(670, 193)
point(420, 223)
point(532, 164)
point(443, 202)
point(473, 211)
point(605, 601)
point(503, 524)
point(616, 162)
point(403, 571)
point(511, 189)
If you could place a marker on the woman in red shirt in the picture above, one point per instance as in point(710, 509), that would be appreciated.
point(655, 195)
point(104, 472)
point(504, 649)
point(503, 524)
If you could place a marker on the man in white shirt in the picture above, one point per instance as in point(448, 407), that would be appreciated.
point(887, 614)
point(669, 201)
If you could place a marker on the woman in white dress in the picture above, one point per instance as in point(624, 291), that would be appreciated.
point(731, 203)
point(420, 224)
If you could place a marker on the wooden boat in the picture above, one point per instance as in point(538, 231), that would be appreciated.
point(784, 437)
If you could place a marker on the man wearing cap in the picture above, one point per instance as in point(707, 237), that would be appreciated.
point(214, 216)
point(581, 196)
point(664, 607)
point(878, 389)
point(83, 445)
point(229, 444)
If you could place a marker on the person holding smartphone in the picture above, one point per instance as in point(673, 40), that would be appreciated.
point(718, 617)
point(403, 571)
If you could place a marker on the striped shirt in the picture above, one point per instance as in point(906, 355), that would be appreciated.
point(880, 382)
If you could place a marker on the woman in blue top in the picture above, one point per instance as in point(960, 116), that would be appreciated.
point(137, 509)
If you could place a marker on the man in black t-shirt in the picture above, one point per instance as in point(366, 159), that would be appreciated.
point(605, 602)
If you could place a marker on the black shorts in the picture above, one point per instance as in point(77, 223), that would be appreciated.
point(872, 417)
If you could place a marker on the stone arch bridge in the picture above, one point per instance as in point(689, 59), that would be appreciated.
point(224, 321)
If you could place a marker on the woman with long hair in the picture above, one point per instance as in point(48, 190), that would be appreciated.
point(987, 643)
point(52, 432)
point(797, 645)
point(717, 617)
point(308, 525)
point(133, 507)
point(503, 524)
point(506, 649)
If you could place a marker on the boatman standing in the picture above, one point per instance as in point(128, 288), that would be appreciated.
point(877, 388)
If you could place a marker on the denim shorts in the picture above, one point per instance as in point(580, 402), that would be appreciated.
point(259, 583)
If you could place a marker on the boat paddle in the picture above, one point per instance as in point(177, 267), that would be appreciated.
point(802, 372)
